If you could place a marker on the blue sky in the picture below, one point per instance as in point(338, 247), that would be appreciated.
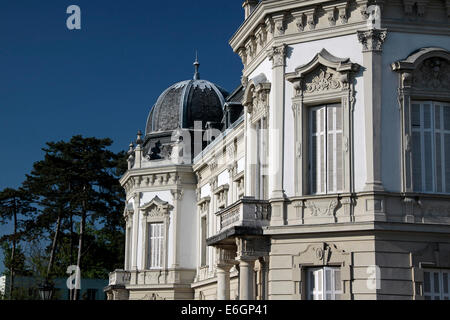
point(103, 79)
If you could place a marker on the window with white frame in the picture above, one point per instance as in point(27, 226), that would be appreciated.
point(326, 156)
point(156, 238)
point(204, 248)
point(430, 126)
point(323, 283)
point(436, 284)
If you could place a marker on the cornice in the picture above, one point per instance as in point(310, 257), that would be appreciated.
point(265, 8)
point(301, 37)
point(154, 170)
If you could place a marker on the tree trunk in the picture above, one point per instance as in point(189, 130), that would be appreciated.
point(13, 252)
point(71, 249)
point(80, 244)
point(54, 244)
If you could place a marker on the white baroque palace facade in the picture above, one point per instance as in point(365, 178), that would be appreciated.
point(325, 175)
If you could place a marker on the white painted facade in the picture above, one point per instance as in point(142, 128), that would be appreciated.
point(243, 220)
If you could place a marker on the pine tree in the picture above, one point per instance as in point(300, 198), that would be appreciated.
point(15, 207)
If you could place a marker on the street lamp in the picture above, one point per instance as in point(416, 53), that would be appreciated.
point(46, 290)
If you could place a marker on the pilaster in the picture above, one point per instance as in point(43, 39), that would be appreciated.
point(177, 195)
point(136, 218)
point(276, 122)
point(372, 41)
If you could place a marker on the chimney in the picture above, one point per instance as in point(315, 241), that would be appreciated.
point(249, 6)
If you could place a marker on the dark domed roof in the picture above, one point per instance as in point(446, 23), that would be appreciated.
point(185, 102)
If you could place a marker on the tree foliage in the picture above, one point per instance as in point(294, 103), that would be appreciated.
point(77, 213)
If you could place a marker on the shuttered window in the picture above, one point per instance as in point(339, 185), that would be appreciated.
point(326, 157)
point(324, 283)
point(156, 238)
point(430, 124)
point(204, 248)
point(436, 285)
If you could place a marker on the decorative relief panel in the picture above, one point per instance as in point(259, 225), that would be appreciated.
point(322, 79)
point(433, 74)
point(322, 209)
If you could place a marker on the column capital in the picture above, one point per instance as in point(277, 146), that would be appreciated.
point(251, 249)
point(277, 54)
point(177, 194)
point(372, 40)
point(225, 257)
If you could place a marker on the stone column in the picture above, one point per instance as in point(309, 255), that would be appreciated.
point(246, 278)
point(276, 122)
point(224, 261)
point(177, 196)
point(135, 233)
point(249, 249)
point(223, 281)
point(372, 41)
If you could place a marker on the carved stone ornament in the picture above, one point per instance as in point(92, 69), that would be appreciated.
point(320, 210)
point(156, 208)
point(243, 55)
point(324, 73)
point(372, 40)
point(256, 97)
point(277, 55)
point(323, 254)
point(428, 69)
point(433, 74)
point(323, 80)
point(252, 247)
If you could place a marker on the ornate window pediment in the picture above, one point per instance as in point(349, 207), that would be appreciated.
point(256, 97)
point(428, 69)
point(324, 73)
point(156, 208)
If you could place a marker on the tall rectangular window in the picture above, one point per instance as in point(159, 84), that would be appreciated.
point(436, 285)
point(430, 126)
point(128, 247)
point(323, 283)
point(204, 248)
point(156, 238)
point(326, 157)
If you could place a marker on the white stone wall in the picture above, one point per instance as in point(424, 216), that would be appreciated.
point(188, 231)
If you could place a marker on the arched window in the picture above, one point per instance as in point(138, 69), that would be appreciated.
point(424, 98)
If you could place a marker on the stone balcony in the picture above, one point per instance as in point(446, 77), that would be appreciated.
point(119, 278)
point(247, 216)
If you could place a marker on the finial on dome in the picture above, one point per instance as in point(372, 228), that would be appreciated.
point(197, 66)
point(139, 138)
